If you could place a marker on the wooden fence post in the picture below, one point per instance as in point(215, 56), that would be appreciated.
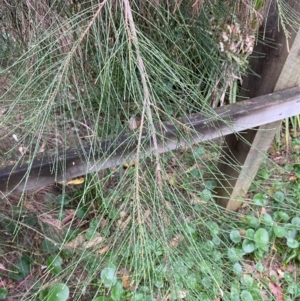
point(279, 69)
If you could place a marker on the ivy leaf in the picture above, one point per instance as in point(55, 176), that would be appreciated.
point(20, 270)
point(117, 291)
point(54, 263)
point(252, 221)
point(279, 231)
point(279, 196)
point(233, 255)
point(267, 219)
point(292, 243)
point(235, 236)
point(260, 199)
point(246, 296)
point(108, 276)
point(283, 215)
point(247, 281)
point(3, 293)
point(248, 246)
point(296, 221)
point(58, 292)
point(261, 238)
point(137, 297)
point(237, 269)
point(213, 227)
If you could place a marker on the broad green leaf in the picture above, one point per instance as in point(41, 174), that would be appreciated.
point(246, 296)
point(252, 221)
point(48, 246)
point(108, 276)
point(137, 297)
point(54, 263)
point(261, 238)
point(248, 246)
point(237, 269)
point(58, 292)
point(199, 152)
point(82, 212)
point(264, 174)
point(3, 293)
point(279, 231)
point(206, 194)
point(211, 184)
point(292, 243)
point(217, 255)
point(250, 234)
point(207, 282)
point(233, 255)
point(235, 236)
point(288, 277)
point(192, 282)
point(247, 281)
point(234, 293)
point(259, 267)
point(216, 240)
point(20, 270)
point(196, 173)
point(260, 199)
point(260, 253)
point(283, 215)
point(296, 221)
point(267, 219)
point(279, 196)
point(213, 227)
point(117, 291)
point(296, 167)
point(291, 232)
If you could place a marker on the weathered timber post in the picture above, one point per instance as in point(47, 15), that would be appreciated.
point(279, 69)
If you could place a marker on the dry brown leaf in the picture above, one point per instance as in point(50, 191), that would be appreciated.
point(2, 283)
point(69, 216)
point(128, 164)
point(166, 220)
point(175, 241)
point(146, 214)
point(103, 250)
point(93, 242)
point(134, 123)
point(48, 219)
point(276, 290)
point(123, 213)
point(182, 294)
point(293, 178)
point(73, 244)
point(76, 181)
point(79, 242)
point(125, 279)
point(23, 150)
point(124, 224)
point(263, 210)
point(2, 267)
point(169, 205)
point(280, 273)
point(242, 232)
point(42, 148)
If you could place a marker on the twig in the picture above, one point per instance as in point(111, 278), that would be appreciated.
point(147, 103)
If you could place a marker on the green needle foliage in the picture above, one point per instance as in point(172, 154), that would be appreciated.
point(81, 72)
